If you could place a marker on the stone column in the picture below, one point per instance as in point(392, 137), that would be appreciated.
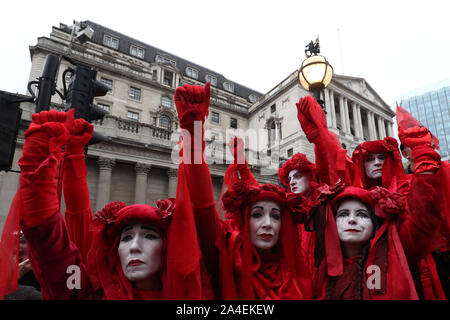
point(361, 128)
point(370, 125)
point(328, 107)
point(390, 129)
point(381, 130)
point(173, 180)
point(342, 113)
point(104, 181)
point(356, 123)
point(347, 116)
point(333, 110)
point(140, 190)
point(374, 127)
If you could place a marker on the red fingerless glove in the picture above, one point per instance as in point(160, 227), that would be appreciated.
point(42, 150)
point(311, 117)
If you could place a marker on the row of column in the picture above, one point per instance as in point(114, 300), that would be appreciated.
point(142, 170)
point(358, 129)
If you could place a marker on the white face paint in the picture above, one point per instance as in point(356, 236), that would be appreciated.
point(264, 224)
point(140, 252)
point(353, 223)
point(374, 165)
point(298, 182)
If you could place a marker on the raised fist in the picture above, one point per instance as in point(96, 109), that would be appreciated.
point(192, 104)
point(311, 117)
point(80, 133)
point(47, 129)
point(415, 136)
point(236, 146)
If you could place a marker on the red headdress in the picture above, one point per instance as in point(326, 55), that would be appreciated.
point(103, 260)
point(392, 166)
point(285, 275)
point(301, 163)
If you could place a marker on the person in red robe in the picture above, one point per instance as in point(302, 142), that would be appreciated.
point(254, 253)
point(129, 256)
point(373, 164)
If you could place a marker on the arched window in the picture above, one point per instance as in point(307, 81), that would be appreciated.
point(165, 122)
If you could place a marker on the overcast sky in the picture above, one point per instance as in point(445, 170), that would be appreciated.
point(396, 45)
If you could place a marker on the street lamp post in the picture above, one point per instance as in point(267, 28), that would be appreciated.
point(316, 72)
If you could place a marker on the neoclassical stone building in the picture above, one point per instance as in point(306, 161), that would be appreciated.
point(137, 164)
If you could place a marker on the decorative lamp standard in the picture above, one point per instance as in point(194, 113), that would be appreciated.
point(316, 72)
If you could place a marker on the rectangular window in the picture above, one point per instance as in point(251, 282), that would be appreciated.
point(167, 78)
point(135, 93)
point(137, 51)
point(215, 117)
point(290, 153)
point(273, 108)
point(131, 115)
point(105, 107)
point(228, 86)
point(108, 82)
point(166, 102)
point(191, 72)
point(111, 41)
point(211, 79)
point(233, 123)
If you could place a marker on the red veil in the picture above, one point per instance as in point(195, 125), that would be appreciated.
point(245, 274)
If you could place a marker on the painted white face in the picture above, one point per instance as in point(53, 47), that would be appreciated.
point(374, 165)
point(353, 222)
point(298, 182)
point(264, 224)
point(140, 252)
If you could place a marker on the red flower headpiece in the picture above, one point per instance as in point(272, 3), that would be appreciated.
point(297, 162)
point(109, 213)
point(241, 195)
point(166, 207)
point(388, 204)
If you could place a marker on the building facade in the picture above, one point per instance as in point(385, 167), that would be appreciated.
point(138, 162)
point(431, 106)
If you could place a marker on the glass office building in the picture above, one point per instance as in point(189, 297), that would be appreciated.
point(431, 106)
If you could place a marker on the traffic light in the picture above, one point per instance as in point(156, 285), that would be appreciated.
point(82, 89)
point(10, 114)
point(83, 86)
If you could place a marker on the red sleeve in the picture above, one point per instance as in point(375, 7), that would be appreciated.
point(419, 230)
point(332, 161)
point(51, 254)
point(78, 213)
point(246, 174)
point(206, 217)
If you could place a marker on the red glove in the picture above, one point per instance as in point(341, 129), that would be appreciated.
point(80, 133)
point(425, 158)
point(311, 117)
point(192, 104)
point(43, 145)
point(236, 146)
point(415, 136)
point(76, 192)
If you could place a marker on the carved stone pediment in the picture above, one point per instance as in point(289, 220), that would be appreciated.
point(361, 87)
